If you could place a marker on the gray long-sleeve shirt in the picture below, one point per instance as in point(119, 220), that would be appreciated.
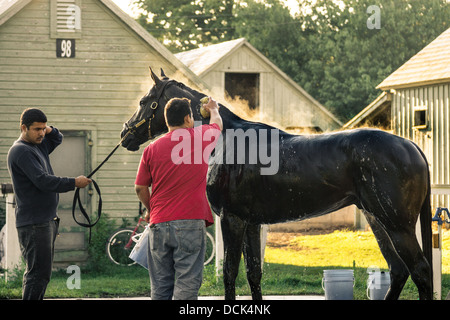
point(36, 187)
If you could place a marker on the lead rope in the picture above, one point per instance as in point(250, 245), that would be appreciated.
point(76, 196)
point(77, 199)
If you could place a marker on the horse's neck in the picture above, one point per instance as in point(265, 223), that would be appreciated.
point(230, 120)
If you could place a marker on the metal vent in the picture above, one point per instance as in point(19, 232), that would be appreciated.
point(68, 17)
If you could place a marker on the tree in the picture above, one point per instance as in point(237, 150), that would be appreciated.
point(270, 28)
point(347, 60)
point(185, 24)
point(328, 48)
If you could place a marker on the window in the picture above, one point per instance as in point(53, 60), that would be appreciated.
point(244, 86)
point(420, 117)
point(65, 19)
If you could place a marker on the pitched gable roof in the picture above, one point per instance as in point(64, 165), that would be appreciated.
point(428, 66)
point(203, 60)
point(10, 8)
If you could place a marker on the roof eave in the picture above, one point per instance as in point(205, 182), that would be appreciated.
point(222, 58)
point(367, 111)
point(394, 86)
point(155, 44)
point(11, 11)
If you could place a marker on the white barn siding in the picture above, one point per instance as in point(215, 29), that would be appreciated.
point(435, 139)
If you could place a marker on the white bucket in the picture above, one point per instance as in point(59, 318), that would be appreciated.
point(338, 284)
point(378, 285)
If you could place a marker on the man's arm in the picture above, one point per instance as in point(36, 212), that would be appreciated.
point(81, 181)
point(143, 194)
point(213, 109)
point(53, 138)
point(32, 168)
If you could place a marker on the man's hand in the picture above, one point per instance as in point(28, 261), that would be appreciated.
point(212, 104)
point(147, 216)
point(48, 129)
point(82, 182)
point(213, 109)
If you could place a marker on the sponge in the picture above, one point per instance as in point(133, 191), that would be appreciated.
point(205, 113)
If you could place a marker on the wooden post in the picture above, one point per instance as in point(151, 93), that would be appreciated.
point(437, 263)
point(12, 249)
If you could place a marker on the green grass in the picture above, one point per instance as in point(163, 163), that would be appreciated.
point(340, 248)
point(296, 269)
point(309, 255)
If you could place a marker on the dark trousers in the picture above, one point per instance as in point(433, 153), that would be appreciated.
point(37, 244)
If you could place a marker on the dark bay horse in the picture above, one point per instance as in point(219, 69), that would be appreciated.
point(262, 175)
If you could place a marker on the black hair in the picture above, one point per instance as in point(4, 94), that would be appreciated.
point(175, 111)
point(31, 115)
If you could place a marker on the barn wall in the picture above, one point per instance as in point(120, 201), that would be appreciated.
point(280, 103)
point(433, 140)
point(97, 91)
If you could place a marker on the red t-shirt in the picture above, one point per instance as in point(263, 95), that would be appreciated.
point(175, 166)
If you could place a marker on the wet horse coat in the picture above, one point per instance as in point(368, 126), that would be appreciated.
point(382, 174)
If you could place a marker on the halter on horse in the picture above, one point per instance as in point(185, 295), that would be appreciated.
point(384, 175)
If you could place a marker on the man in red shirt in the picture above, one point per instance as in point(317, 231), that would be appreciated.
point(175, 168)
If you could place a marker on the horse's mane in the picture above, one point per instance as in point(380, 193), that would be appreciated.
point(231, 120)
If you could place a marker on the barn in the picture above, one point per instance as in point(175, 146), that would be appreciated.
point(85, 64)
point(237, 71)
point(415, 104)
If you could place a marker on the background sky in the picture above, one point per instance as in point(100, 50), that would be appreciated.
point(125, 5)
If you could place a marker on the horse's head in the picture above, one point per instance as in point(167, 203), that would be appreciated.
point(148, 121)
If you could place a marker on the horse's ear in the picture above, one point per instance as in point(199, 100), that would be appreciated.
point(163, 74)
point(155, 78)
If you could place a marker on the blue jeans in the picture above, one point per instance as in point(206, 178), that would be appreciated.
point(37, 244)
point(175, 259)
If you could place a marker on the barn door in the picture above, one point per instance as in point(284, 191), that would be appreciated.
point(71, 159)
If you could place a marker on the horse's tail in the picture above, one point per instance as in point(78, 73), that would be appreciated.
point(425, 222)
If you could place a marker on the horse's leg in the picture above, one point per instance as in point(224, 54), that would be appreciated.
point(233, 229)
point(399, 220)
point(252, 255)
point(398, 271)
point(395, 200)
point(407, 247)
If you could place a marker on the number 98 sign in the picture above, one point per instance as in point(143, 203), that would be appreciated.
point(65, 48)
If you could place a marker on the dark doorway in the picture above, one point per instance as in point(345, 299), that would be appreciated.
point(244, 86)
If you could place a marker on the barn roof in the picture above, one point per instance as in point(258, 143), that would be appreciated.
point(430, 65)
point(9, 8)
point(374, 108)
point(203, 60)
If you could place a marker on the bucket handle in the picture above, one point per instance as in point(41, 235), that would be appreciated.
point(354, 282)
point(368, 287)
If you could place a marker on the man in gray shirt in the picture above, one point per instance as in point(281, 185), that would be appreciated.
point(36, 191)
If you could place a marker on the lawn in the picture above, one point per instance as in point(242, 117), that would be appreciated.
point(293, 266)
